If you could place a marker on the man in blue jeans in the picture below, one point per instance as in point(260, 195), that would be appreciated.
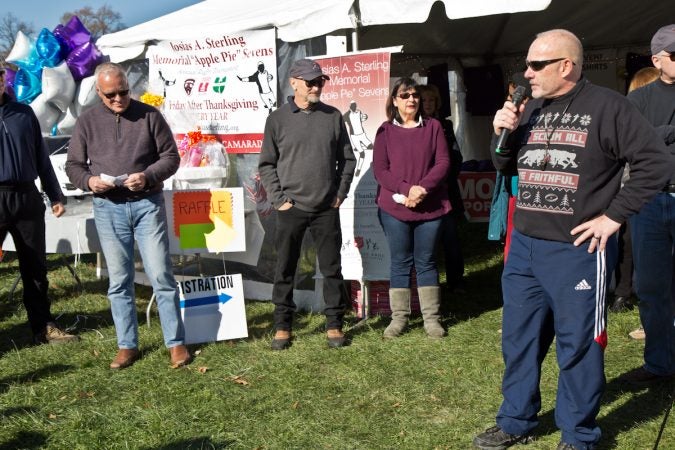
point(306, 166)
point(122, 150)
point(653, 227)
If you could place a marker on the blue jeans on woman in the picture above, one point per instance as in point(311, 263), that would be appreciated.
point(118, 224)
point(411, 243)
point(653, 234)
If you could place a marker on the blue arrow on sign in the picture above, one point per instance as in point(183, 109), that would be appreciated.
point(201, 301)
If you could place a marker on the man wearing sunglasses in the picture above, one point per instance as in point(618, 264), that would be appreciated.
point(569, 144)
point(306, 166)
point(23, 158)
point(122, 150)
point(653, 227)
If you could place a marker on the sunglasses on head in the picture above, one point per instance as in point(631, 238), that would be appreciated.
point(538, 65)
point(112, 95)
point(316, 82)
point(407, 95)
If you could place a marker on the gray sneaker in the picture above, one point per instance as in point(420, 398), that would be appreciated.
point(566, 446)
point(495, 438)
point(52, 334)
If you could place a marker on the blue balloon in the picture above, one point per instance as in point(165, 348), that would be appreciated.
point(48, 48)
point(26, 86)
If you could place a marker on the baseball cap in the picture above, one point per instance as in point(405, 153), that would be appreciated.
point(306, 69)
point(664, 39)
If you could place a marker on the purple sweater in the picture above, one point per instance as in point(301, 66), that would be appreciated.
point(404, 157)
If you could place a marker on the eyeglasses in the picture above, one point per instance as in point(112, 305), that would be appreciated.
point(407, 95)
point(112, 95)
point(538, 65)
point(670, 56)
point(316, 82)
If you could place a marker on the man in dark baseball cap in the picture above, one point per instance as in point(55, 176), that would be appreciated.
point(653, 227)
point(306, 167)
point(306, 69)
point(664, 40)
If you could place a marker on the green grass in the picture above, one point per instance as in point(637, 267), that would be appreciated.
point(410, 393)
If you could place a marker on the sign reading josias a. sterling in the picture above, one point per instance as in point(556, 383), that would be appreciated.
point(224, 85)
point(213, 308)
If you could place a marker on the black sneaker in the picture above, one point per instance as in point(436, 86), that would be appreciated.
point(621, 304)
point(495, 438)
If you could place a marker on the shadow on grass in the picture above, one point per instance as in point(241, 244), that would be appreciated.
point(645, 404)
point(198, 443)
point(25, 440)
point(31, 377)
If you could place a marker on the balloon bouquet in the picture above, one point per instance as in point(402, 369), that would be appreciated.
point(54, 74)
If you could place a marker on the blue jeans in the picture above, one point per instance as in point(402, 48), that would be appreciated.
point(653, 234)
point(118, 223)
point(411, 243)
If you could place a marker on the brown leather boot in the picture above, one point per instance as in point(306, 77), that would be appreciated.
point(180, 356)
point(125, 357)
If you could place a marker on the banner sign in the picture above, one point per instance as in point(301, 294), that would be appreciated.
point(213, 308)
point(225, 85)
point(476, 189)
point(359, 87)
point(206, 221)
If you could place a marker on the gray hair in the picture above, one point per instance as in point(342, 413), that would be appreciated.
point(110, 68)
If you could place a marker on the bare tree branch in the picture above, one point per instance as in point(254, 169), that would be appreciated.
point(10, 25)
point(102, 21)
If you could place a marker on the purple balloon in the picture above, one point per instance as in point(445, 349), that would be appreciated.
point(61, 34)
point(48, 48)
point(82, 61)
point(26, 86)
point(77, 32)
point(9, 82)
point(71, 35)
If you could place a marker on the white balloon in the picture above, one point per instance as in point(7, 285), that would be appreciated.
point(47, 114)
point(86, 95)
point(58, 86)
point(67, 122)
point(23, 46)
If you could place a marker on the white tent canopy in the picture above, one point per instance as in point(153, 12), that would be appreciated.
point(293, 20)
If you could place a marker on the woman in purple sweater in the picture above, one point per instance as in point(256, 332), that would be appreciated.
point(411, 163)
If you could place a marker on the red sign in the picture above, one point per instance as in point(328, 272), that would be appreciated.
point(476, 189)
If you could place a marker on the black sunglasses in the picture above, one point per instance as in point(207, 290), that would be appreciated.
point(671, 56)
point(407, 95)
point(316, 82)
point(538, 65)
point(112, 95)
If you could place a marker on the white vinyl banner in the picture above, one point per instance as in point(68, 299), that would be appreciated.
point(225, 85)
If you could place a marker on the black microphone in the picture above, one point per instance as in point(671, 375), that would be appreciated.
point(517, 99)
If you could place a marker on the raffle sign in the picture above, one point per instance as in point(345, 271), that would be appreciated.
point(226, 85)
point(209, 221)
point(358, 87)
point(213, 308)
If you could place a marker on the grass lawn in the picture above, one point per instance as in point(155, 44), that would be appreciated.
point(410, 393)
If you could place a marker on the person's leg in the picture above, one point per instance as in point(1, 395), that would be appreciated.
point(454, 260)
point(327, 236)
point(527, 333)
point(577, 282)
point(115, 232)
point(27, 227)
point(151, 232)
point(624, 267)
point(653, 234)
point(291, 226)
point(399, 236)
